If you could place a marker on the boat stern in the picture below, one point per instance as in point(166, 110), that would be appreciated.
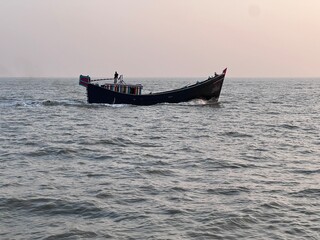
point(84, 80)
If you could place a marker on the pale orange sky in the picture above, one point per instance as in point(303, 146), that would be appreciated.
point(160, 38)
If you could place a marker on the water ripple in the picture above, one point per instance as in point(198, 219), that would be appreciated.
point(50, 207)
point(244, 168)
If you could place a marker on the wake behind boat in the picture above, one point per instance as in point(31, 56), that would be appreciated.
point(121, 93)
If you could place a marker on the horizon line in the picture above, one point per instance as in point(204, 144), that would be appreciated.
point(249, 77)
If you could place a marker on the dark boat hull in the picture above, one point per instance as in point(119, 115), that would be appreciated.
point(208, 90)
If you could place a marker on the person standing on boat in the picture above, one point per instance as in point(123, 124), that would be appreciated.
point(116, 77)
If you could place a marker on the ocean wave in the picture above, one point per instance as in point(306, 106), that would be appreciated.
point(307, 172)
point(119, 141)
point(161, 172)
point(223, 164)
point(50, 151)
point(199, 102)
point(274, 205)
point(49, 206)
point(309, 192)
point(105, 195)
point(237, 134)
point(228, 191)
point(31, 103)
point(84, 104)
point(288, 126)
point(74, 234)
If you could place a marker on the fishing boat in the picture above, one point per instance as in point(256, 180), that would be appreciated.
point(119, 92)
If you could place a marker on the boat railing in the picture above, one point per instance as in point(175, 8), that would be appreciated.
point(124, 88)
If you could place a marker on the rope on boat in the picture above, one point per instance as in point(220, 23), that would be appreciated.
point(121, 81)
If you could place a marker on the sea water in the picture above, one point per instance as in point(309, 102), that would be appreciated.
point(245, 168)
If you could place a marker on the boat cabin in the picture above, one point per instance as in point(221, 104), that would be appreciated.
point(121, 87)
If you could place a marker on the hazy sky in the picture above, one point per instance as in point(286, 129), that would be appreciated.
point(160, 38)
